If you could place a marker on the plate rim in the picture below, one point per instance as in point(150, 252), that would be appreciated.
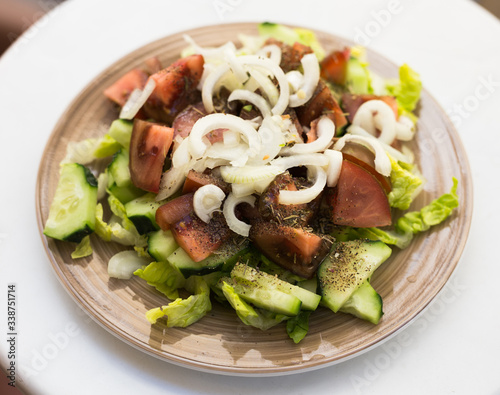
point(235, 370)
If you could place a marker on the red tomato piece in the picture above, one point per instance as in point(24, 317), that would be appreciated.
point(358, 199)
point(120, 91)
point(149, 146)
point(351, 103)
point(294, 249)
point(195, 180)
point(290, 55)
point(322, 102)
point(174, 210)
point(198, 238)
point(175, 88)
point(334, 66)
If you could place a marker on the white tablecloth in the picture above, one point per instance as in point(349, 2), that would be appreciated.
point(452, 348)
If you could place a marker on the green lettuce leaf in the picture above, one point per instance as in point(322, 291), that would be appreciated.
point(249, 315)
point(405, 185)
point(88, 150)
point(184, 312)
point(164, 277)
point(115, 231)
point(83, 249)
point(358, 77)
point(407, 90)
point(298, 326)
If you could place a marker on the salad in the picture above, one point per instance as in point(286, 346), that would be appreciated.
point(271, 177)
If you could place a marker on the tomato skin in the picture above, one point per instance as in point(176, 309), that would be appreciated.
point(352, 102)
point(149, 146)
point(294, 249)
point(383, 181)
point(175, 88)
point(198, 238)
point(120, 91)
point(174, 210)
point(290, 54)
point(195, 180)
point(358, 200)
point(322, 102)
point(334, 66)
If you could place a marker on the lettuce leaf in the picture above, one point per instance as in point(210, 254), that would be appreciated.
point(249, 315)
point(83, 249)
point(88, 150)
point(184, 312)
point(298, 326)
point(407, 90)
point(115, 231)
point(164, 277)
point(405, 184)
point(415, 221)
point(358, 77)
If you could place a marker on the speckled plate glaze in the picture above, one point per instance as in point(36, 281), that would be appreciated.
point(219, 343)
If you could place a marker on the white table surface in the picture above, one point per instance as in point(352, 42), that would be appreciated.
point(452, 348)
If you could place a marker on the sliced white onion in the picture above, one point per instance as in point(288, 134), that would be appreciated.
point(353, 129)
point(171, 181)
point(287, 162)
point(295, 79)
point(309, 194)
point(311, 77)
point(236, 155)
point(325, 131)
point(240, 190)
point(382, 161)
point(376, 114)
point(234, 223)
point(405, 128)
point(274, 53)
point(271, 138)
point(136, 100)
point(263, 82)
point(210, 53)
point(123, 264)
point(266, 63)
point(249, 174)
point(334, 167)
point(181, 156)
point(206, 200)
point(236, 67)
point(253, 98)
point(221, 121)
point(231, 138)
point(210, 84)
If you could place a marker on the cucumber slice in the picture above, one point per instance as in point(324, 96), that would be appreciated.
point(119, 168)
point(121, 131)
point(142, 211)
point(364, 303)
point(72, 213)
point(224, 258)
point(161, 244)
point(268, 299)
point(310, 300)
point(349, 265)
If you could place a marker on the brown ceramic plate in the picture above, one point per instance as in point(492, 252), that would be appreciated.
point(219, 342)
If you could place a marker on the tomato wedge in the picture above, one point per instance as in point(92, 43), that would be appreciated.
point(195, 180)
point(334, 66)
point(384, 181)
point(290, 54)
point(294, 249)
point(120, 91)
point(322, 102)
point(358, 199)
point(174, 210)
point(175, 88)
point(149, 146)
point(351, 103)
point(198, 238)
point(295, 215)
